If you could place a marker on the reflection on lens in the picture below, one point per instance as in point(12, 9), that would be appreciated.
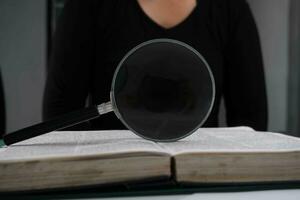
point(163, 90)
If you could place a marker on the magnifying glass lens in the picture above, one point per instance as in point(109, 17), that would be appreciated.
point(163, 91)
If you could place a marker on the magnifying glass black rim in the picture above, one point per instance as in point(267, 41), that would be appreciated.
point(112, 94)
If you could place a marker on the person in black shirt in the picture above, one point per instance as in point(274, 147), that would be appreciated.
point(92, 36)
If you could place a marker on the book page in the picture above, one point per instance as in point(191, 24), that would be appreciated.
point(76, 143)
point(233, 140)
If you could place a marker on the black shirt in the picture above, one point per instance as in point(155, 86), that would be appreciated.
point(92, 37)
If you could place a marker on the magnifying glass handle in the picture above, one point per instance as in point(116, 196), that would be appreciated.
point(60, 122)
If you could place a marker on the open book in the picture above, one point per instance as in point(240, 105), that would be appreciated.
point(209, 156)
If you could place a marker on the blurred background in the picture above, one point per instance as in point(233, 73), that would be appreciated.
point(26, 28)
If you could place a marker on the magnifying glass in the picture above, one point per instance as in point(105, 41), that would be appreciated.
point(162, 90)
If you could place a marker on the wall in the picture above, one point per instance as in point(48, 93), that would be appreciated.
point(22, 59)
point(294, 70)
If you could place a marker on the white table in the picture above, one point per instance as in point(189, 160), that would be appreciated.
point(293, 194)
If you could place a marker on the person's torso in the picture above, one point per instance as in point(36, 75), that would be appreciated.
point(129, 26)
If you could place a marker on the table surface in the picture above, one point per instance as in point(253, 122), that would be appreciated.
point(290, 194)
point(257, 195)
